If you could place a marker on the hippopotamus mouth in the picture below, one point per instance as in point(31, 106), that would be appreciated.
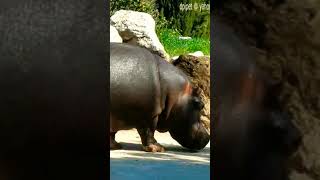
point(188, 131)
point(200, 139)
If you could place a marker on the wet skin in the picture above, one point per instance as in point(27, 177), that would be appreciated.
point(148, 93)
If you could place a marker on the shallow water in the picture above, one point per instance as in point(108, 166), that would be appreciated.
point(121, 169)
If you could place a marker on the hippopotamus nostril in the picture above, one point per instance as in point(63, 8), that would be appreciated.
point(198, 103)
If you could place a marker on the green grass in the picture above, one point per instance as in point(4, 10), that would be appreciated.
point(175, 46)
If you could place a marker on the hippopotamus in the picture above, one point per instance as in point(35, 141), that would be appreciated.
point(53, 89)
point(149, 94)
point(253, 136)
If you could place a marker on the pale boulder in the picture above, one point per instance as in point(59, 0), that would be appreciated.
point(114, 35)
point(197, 54)
point(138, 28)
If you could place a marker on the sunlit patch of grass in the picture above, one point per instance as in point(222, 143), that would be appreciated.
point(175, 46)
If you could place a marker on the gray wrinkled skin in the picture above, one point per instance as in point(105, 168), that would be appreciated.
point(147, 93)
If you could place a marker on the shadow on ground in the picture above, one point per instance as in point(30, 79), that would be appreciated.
point(172, 153)
point(175, 163)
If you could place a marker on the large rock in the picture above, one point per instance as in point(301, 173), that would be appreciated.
point(114, 35)
point(138, 28)
point(198, 70)
point(197, 54)
point(286, 37)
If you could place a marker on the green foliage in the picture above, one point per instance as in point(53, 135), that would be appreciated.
point(147, 6)
point(190, 21)
point(175, 46)
point(172, 22)
point(191, 17)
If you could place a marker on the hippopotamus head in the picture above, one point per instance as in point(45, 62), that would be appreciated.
point(186, 127)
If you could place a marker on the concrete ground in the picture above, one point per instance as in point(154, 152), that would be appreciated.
point(175, 163)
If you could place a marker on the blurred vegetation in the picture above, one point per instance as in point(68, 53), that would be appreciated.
point(175, 46)
point(189, 17)
point(147, 6)
point(188, 20)
point(174, 19)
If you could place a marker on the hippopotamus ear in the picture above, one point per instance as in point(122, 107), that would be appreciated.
point(197, 103)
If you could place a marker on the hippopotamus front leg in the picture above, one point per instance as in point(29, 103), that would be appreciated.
point(113, 143)
point(149, 143)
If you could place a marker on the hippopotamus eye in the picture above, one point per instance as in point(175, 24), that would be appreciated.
point(198, 104)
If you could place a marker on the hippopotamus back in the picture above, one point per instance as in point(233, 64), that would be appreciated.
point(140, 81)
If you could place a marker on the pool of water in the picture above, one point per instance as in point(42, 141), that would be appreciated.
point(157, 170)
